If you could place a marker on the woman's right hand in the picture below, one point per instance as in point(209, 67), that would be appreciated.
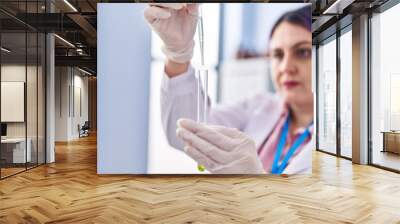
point(175, 24)
point(219, 149)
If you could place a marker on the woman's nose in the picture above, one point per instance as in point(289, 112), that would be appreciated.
point(288, 65)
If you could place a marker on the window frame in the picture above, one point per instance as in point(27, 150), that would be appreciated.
point(345, 25)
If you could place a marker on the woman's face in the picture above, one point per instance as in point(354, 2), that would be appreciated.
point(290, 54)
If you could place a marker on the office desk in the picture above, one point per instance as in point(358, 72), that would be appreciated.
point(391, 141)
point(13, 150)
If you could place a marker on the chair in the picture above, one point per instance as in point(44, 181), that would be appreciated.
point(84, 130)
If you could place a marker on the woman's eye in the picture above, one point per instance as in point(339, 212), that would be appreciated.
point(277, 55)
point(303, 53)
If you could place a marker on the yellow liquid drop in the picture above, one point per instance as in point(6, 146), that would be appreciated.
point(201, 168)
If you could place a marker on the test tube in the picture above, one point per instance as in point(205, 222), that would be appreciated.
point(204, 77)
point(202, 96)
point(202, 110)
point(202, 81)
point(198, 78)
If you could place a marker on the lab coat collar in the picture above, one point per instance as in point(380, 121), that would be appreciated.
point(268, 115)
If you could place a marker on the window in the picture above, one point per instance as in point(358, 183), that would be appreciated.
point(346, 94)
point(327, 96)
point(385, 89)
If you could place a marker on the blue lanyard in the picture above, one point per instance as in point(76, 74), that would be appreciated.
point(278, 169)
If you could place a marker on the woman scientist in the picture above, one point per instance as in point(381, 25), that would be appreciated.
point(269, 133)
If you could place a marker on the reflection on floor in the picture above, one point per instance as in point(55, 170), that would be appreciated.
point(70, 191)
point(387, 159)
point(10, 169)
point(346, 151)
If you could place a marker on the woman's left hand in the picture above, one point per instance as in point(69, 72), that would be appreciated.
point(219, 149)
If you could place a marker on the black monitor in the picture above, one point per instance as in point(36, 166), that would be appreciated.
point(3, 129)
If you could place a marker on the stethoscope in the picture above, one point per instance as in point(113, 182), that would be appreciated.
point(278, 168)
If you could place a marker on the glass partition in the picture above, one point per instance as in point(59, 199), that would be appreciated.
point(14, 153)
point(31, 100)
point(346, 93)
point(327, 96)
point(22, 78)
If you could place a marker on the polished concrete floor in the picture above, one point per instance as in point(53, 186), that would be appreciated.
point(70, 191)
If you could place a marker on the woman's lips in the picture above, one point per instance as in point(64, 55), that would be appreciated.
point(290, 84)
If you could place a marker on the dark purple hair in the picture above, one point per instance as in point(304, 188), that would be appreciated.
point(300, 17)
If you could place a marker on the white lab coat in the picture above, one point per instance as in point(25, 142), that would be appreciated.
point(254, 116)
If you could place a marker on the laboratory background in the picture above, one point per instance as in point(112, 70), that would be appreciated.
point(235, 44)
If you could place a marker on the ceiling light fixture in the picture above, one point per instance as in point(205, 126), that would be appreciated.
point(79, 51)
point(65, 41)
point(84, 71)
point(338, 6)
point(5, 50)
point(70, 5)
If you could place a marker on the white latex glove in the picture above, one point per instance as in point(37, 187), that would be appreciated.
point(219, 149)
point(175, 23)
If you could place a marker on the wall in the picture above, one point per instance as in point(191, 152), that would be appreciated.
point(17, 73)
point(68, 82)
point(79, 116)
point(61, 103)
point(123, 79)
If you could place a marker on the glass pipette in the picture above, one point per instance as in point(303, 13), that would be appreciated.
point(202, 79)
